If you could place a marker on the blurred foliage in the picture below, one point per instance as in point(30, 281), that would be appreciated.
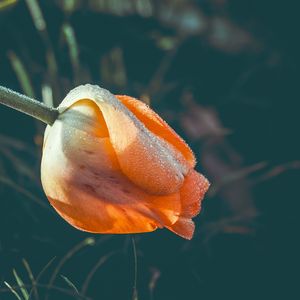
point(225, 75)
point(4, 4)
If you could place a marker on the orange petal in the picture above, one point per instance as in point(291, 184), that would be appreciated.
point(158, 126)
point(191, 195)
point(113, 205)
point(184, 227)
point(105, 172)
point(148, 161)
point(82, 179)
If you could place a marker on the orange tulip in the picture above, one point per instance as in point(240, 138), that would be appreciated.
point(112, 165)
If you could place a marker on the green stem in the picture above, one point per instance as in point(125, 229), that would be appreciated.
point(28, 105)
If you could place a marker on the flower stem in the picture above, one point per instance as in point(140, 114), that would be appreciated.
point(28, 105)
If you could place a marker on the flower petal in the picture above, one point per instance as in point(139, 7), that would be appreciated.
point(104, 171)
point(82, 179)
point(148, 161)
point(191, 195)
point(158, 126)
point(184, 227)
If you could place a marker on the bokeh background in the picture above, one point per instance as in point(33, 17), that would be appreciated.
point(225, 75)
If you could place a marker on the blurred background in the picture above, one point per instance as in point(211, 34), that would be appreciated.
point(225, 75)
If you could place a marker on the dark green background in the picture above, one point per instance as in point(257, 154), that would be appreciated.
point(238, 89)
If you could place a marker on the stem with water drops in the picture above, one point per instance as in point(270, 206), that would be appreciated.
point(27, 105)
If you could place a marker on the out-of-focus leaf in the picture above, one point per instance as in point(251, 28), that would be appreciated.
point(143, 8)
point(155, 274)
point(70, 39)
point(41, 26)
point(235, 176)
point(31, 277)
point(70, 284)
point(47, 95)
point(22, 74)
point(186, 18)
point(228, 37)
point(219, 158)
point(91, 274)
point(233, 225)
point(4, 4)
point(90, 241)
point(21, 285)
point(36, 14)
point(41, 274)
point(69, 6)
point(166, 42)
point(277, 171)
point(13, 290)
point(200, 122)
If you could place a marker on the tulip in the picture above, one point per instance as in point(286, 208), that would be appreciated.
point(112, 165)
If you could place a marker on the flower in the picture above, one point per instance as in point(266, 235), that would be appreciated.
point(112, 165)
